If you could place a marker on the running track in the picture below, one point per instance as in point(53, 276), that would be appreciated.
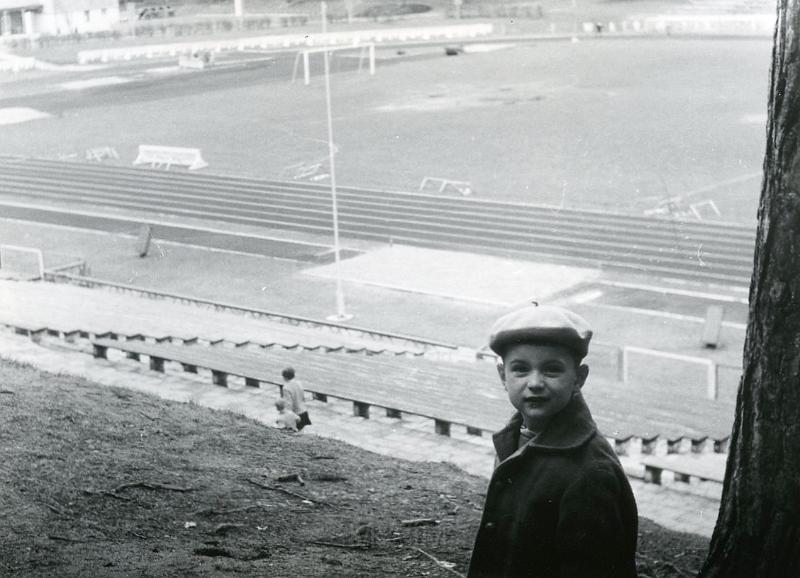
point(707, 252)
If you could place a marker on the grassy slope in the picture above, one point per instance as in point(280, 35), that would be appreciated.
point(67, 441)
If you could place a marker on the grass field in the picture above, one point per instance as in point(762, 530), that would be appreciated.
point(612, 124)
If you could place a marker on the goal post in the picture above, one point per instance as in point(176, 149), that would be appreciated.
point(22, 261)
point(366, 50)
point(708, 366)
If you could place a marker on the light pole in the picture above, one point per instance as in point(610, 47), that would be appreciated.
point(341, 313)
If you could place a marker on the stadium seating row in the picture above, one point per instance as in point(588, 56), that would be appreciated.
point(466, 394)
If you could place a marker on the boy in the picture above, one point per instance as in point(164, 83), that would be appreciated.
point(294, 395)
point(559, 504)
point(287, 419)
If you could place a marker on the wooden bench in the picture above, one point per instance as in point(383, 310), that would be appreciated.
point(456, 393)
point(342, 376)
point(68, 306)
point(707, 468)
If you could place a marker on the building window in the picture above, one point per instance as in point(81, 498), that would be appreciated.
point(104, 12)
point(87, 14)
point(17, 24)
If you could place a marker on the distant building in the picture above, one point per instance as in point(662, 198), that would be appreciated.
point(32, 18)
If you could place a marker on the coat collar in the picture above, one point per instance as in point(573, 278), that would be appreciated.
point(572, 428)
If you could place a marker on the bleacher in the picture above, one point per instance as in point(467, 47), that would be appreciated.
point(661, 429)
point(66, 308)
point(466, 394)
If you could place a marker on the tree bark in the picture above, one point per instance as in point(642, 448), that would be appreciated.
point(758, 528)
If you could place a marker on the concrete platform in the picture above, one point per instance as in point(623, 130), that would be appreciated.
point(462, 276)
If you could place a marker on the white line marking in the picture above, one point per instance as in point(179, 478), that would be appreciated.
point(148, 221)
point(176, 243)
point(16, 115)
point(733, 181)
point(586, 296)
point(671, 291)
point(665, 315)
point(227, 251)
point(94, 82)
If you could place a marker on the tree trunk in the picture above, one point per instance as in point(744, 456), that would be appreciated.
point(758, 528)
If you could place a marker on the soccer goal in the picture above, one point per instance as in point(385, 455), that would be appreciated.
point(366, 52)
point(26, 262)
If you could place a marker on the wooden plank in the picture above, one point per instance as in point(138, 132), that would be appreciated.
point(709, 467)
point(418, 386)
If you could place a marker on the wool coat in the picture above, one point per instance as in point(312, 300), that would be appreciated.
point(558, 507)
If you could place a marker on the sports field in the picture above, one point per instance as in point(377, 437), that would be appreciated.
point(617, 124)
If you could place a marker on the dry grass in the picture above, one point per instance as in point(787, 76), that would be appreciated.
point(106, 482)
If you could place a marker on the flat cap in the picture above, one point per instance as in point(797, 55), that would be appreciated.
point(541, 324)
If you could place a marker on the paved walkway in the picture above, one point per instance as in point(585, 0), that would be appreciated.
point(692, 510)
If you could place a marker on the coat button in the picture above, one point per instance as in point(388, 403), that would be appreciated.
point(489, 525)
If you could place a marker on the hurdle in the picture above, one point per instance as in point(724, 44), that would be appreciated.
point(299, 171)
point(100, 153)
point(463, 187)
point(696, 207)
point(162, 156)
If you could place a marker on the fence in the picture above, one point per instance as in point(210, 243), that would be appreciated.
point(31, 262)
point(289, 41)
point(214, 24)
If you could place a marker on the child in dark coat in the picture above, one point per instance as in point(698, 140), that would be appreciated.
point(559, 504)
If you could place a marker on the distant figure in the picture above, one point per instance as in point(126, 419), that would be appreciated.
point(559, 503)
point(287, 419)
point(295, 397)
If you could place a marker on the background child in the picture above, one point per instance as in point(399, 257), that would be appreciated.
point(559, 504)
point(295, 397)
point(287, 419)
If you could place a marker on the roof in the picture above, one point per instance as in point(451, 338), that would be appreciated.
point(20, 5)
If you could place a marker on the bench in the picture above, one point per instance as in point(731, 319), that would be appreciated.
point(342, 376)
point(459, 393)
point(706, 468)
point(158, 156)
point(68, 306)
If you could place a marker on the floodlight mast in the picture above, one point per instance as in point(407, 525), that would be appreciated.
point(341, 312)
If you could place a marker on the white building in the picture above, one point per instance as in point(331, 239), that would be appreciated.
point(33, 18)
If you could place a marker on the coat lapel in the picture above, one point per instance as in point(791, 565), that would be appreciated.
point(572, 428)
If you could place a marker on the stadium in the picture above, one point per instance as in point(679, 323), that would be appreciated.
point(187, 211)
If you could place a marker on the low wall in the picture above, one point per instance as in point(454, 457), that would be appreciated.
point(704, 25)
point(10, 63)
point(283, 41)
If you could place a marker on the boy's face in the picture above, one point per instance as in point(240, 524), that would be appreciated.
point(540, 380)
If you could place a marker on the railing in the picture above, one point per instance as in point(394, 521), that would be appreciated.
point(420, 342)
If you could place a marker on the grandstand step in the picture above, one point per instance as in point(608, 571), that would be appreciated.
point(466, 394)
point(63, 307)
